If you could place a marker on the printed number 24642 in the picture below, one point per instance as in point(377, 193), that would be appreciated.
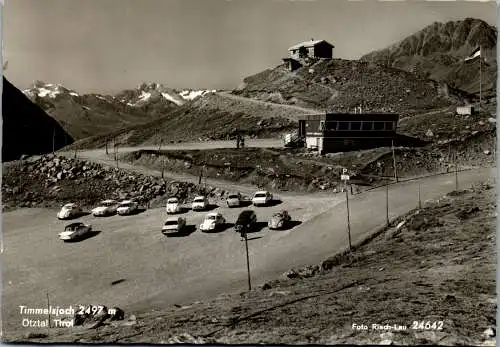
point(421, 325)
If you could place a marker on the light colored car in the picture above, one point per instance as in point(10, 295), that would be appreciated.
point(212, 222)
point(262, 197)
point(69, 211)
point(279, 220)
point(200, 203)
point(173, 206)
point(234, 200)
point(127, 207)
point(105, 208)
point(74, 231)
point(173, 225)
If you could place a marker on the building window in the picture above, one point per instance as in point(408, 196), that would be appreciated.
point(321, 126)
point(332, 126)
point(378, 126)
point(388, 126)
point(367, 126)
point(343, 125)
point(355, 125)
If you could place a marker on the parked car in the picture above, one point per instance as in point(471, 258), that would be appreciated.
point(173, 225)
point(127, 207)
point(69, 211)
point(105, 208)
point(200, 203)
point(279, 220)
point(173, 206)
point(234, 200)
point(262, 197)
point(213, 221)
point(75, 230)
point(247, 221)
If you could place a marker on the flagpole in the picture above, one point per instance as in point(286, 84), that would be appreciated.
point(480, 77)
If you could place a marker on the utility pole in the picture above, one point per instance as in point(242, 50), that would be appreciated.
point(394, 163)
point(348, 219)
point(387, 204)
point(456, 173)
point(248, 260)
point(107, 146)
point(54, 140)
point(48, 307)
point(419, 198)
point(480, 77)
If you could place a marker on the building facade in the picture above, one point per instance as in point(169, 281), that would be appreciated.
point(341, 132)
point(317, 49)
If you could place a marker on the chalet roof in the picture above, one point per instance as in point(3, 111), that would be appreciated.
point(307, 44)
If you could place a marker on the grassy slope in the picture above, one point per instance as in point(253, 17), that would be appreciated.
point(210, 117)
point(438, 267)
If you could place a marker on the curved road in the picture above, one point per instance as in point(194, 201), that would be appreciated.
point(157, 271)
point(100, 156)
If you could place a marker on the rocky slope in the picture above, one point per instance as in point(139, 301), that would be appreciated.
point(52, 181)
point(341, 85)
point(27, 129)
point(84, 115)
point(438, 52)
point(211, 117)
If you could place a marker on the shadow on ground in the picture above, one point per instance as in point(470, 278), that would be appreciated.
point(271, 203)
point(78, 215)
point(135, 213)
point(84, 237)
point(188, 230)
point(209, 208)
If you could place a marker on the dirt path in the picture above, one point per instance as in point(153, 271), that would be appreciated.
point(271, 104)
point(99, 156)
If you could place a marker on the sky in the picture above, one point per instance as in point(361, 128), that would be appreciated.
point(104, 46)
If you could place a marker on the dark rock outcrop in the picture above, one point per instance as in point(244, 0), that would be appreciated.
point(27, 129)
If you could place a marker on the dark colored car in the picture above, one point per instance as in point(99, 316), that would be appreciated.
point(247, 220)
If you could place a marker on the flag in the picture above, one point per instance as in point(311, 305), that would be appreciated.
point(476, 53)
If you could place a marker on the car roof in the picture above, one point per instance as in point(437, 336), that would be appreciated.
point(246, 213)
point(71, 204)
point(126, 201)
point(173, 198)
point(261, 192)
point(212, 214)
point(200, 196)
point(107, 201)
point(175, 219)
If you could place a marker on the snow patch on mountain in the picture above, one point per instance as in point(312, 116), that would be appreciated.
point(42, 90)
point(193, 94)
point(170, 98)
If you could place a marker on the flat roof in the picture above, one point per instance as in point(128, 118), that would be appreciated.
point(350, 116)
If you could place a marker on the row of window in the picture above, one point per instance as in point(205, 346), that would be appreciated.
point(357, 125)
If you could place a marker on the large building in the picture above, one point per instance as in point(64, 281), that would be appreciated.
point(317, 49)
point(339, 132)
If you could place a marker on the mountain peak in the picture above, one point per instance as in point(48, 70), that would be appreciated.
point(438, 51)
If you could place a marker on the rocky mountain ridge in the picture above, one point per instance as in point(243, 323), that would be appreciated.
point(439, 50)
